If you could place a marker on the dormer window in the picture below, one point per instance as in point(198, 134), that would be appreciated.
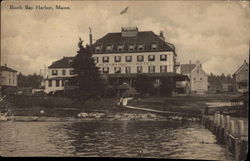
point(117, 58)
point(120, 48)
point(109, 48)
point(98, 49)
point(140, 47)
point(154, 47)
point(131, 47)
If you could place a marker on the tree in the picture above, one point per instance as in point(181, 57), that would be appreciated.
point(33, 80)
point(87, 79)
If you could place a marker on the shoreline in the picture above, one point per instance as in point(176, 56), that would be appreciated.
point(123, 117)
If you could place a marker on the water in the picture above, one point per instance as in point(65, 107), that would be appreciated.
point(156, 139)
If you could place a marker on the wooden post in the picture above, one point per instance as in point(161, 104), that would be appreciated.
point(222, 121)
point(240, 128)
point(232, 130)
point(227, 122)
point(240, 134)
point(218, 120)
point(222, 129)
point(215, 116)
point(202, 116)
point(237, 149)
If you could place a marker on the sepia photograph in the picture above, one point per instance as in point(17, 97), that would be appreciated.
point(136, 79)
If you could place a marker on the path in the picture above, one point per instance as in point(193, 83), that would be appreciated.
point(124, 102)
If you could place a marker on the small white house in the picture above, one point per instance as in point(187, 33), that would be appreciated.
point(198, 77)
point(8, 76)
point(57, 74)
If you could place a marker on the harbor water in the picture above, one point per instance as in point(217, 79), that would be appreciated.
point(147, 139)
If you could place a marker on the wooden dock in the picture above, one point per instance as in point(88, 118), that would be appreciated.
point(230, 131)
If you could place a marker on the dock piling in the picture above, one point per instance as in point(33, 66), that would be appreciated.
point(232, 127)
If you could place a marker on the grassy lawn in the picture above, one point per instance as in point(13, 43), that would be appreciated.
point(192, 103)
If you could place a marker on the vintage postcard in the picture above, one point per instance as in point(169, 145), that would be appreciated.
point(125, 79)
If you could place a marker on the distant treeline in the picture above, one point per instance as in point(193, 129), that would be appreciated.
point(217, 80)
point(31, 80)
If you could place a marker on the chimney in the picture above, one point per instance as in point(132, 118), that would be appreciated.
point(90, 37)
point(245, 61)
point(5, 65)
point(162, 35)
point(189, 61)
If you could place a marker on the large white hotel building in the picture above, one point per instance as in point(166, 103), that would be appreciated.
point(121, 56)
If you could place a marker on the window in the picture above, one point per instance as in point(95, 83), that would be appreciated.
point(117, 58)
point(198, 71)
point(71, 72)
point(139, 69)
point(200, 78)
point(140, 58)
point(95, 60)
point(128, 58)
point(13, 81)
point(57, 83)
point(109, 48)
point(151, 58)
point(54, 72)
point(194, 78)
point(50, 83)
point(63, 83)
point(163, 68)
point(105, 70)
point(9, 81)
point(153, 47)
point(63, 72)
point(120, 48)
point(128, 69)
point(140, 47)
point(105, 59)
point(117, 69)
point(98, 49)
point(131, 47)
point(151, 69)
point(163, 57)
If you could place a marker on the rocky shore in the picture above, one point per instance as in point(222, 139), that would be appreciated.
point(104, 116)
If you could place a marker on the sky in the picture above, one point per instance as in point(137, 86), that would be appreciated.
point(217, 33)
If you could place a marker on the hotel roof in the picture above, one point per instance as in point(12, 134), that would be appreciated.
point(146, 38)
point(65, 62)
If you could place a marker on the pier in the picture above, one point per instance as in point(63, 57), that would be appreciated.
point(232, 132)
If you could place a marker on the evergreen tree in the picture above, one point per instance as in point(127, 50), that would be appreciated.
point(33, 80)
point(89, 84)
